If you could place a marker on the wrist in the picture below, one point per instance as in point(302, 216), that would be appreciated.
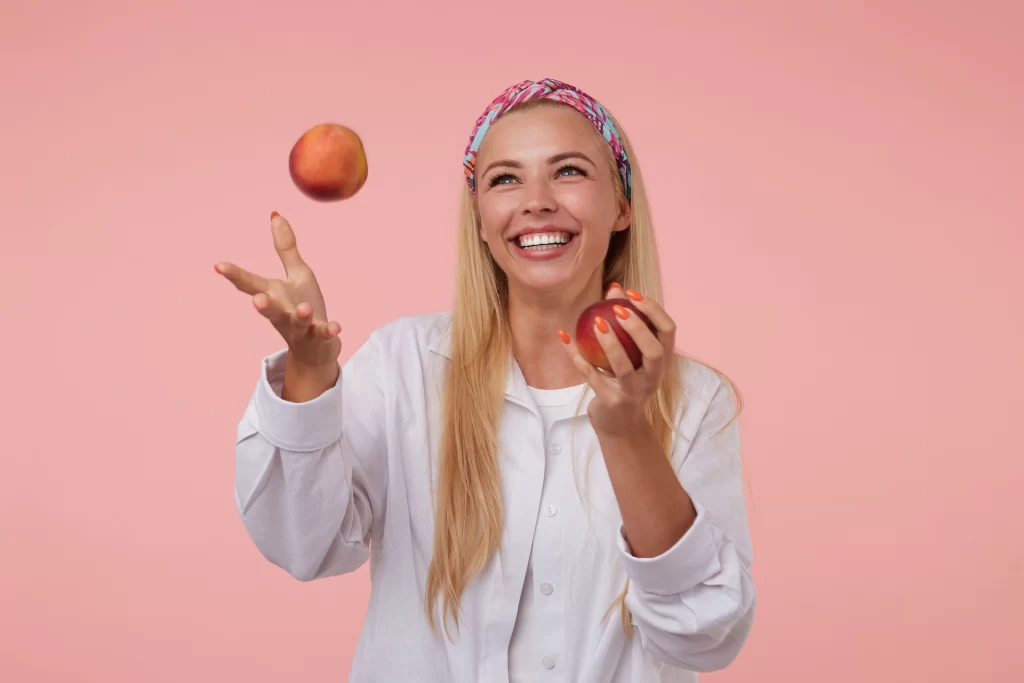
point(310, 369)
point(304, 382)
point(624, 422)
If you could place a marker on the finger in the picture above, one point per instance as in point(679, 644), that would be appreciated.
point(618, 359)
point(659, 318)
point(650, 346)
point(615, 291)
point(322, 331)
point(274, 310)
point(307, 327)
point(590, 373)
point(285, 243)
point(302, 322)
point(243, 280)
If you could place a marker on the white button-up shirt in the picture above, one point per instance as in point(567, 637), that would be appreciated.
point(325, 485)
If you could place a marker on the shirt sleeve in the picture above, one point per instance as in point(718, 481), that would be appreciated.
point(693, 605)
point(311, 477)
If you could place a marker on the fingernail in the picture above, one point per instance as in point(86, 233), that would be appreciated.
point(565, 337)
point(616, 284)
point(216, 268)
point(620, 311)
point(635, 296)
point(274, 214)
point(602, 324)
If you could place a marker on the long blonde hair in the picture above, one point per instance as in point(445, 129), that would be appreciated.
point(469, 515)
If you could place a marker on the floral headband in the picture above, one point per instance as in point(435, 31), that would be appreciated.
point(549, 89)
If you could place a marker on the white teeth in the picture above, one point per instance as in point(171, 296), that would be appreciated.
point(544, 239)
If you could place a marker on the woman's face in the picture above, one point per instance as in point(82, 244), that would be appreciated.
point(546, 198)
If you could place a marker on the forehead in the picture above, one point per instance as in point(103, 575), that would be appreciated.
point(544, 129)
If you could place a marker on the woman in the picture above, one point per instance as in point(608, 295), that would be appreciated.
point(511, 498)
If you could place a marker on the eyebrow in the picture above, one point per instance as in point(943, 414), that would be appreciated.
point(551, 160)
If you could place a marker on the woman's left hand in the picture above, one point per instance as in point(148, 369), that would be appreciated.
point(620, 396)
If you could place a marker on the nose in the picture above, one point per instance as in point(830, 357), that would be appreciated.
point(539, 199)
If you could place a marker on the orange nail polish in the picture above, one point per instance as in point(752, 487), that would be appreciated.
point(635, 296)
point(616, 284)
point(602, 324)
point(274, 214)
point(621, 312)
point(565, 337)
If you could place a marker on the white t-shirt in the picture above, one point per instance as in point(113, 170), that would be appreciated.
point(525, 664)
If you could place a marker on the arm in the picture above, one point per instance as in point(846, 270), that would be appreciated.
point(688, 551)
point(656, 509)
point(684, 539)
point(311, 476)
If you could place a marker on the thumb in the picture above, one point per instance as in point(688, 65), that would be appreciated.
point(285, 243)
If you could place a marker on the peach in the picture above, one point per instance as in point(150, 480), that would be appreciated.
point(328, 163)
point(586, 336)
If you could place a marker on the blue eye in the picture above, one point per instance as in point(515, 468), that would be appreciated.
point(570, 167)
point(497, 180)
point(564, 172)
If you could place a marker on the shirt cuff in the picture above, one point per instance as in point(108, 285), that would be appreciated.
point(302, 427)
point(687, 564)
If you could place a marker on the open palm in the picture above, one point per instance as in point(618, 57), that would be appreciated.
point(295, 305)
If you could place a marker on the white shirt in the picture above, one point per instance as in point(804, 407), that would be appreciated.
point(537, 623)
point(326, 485)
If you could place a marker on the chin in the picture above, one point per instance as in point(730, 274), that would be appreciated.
point(541, 285)
point(537, 277)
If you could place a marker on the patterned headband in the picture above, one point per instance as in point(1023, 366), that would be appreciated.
point(548, 89)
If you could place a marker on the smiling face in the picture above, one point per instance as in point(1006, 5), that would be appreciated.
point(547, 199)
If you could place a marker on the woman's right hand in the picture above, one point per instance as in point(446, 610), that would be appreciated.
point(295, 307)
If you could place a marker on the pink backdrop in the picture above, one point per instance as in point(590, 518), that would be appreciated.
point(857, 170)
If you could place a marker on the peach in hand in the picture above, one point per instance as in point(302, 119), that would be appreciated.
point(328, 163)
point(586, 336)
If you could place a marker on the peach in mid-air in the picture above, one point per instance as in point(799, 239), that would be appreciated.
point(586, 337)
point(328, 163)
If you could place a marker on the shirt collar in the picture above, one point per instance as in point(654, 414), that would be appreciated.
point(516, 389)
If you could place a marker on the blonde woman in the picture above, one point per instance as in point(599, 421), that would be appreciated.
point(527, 517)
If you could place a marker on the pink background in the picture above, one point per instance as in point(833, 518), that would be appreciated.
point(857, 172)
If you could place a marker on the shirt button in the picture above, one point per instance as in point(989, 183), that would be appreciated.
point(555, 449)
point(546, 588)
point(551, 510)
point(548, 662)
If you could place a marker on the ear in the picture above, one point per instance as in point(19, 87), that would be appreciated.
point(625, 218)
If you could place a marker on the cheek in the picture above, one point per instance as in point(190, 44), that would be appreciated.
point(491, 221)
point(495, 213)
point(589, 206)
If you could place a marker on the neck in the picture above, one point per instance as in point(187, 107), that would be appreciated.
point(535, 319)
